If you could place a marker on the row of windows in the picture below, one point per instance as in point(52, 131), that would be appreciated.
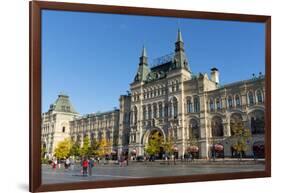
point(105, 123)
point(156, 92)
point(193, 105)
point(100, 135)
point(159, 110)
point(236, 101)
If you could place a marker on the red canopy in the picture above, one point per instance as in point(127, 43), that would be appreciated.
point(218, 147)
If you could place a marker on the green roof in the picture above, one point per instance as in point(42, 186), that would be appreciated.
point(63, 104)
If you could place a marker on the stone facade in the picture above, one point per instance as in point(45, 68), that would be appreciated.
point(169, 98)
point(55, 125)
point(96, 126)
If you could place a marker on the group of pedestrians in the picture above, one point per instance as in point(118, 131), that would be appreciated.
point(68, 163)
point(87, 165)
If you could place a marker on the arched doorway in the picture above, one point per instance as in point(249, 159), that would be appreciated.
point(257, 121)
point(194, 132)
point(154, 146)
point(217, 127)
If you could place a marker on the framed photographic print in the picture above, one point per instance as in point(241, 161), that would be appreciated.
point(126, 96)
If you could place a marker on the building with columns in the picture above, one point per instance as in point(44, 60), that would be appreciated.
point(192, 109)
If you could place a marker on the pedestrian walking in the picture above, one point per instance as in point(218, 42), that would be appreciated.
point(71, 164)
point(59, 163)
point(91, 164)
point(55, 164)
point(67, 163)
point(85, 165)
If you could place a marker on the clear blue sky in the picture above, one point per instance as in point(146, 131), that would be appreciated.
point(94, 57)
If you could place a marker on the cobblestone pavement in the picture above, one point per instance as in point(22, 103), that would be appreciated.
point(142, 170)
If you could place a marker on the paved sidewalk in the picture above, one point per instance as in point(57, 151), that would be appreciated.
point(140, 170)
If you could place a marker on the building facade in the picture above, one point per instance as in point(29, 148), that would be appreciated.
point(193, 110)
point(55, 124)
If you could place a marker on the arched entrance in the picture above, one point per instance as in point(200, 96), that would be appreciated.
point(257, 121)
point(154, 144)
point(217, 126)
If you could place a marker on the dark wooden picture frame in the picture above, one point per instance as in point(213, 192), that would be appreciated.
point(35, 94)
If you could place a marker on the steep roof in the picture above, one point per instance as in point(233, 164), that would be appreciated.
point(62, 104)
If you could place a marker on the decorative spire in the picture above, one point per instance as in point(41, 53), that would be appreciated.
point(144, 54)
point(143, 69)
point(179, 38)
point(180, 57)
point(143, 58)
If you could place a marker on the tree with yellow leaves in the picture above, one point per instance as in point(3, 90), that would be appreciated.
point(242, 137)
point(63, 148)
point(155, 142)
point(104, 147)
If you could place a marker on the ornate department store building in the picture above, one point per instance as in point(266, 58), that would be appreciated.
point(168, 98)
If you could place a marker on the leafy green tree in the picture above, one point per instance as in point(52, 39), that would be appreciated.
point(241, 136)
point(63, 149)
point(168, 145)
point(104, 147)
point(93, 150)
point(154, 144)
point(75, 149)
point(84, 151)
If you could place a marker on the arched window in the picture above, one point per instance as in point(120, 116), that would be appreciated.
point(259, 96)
point(160, 111)
point(217, 127)
point(194, 129)
point(189, 105)
point(108, 135)
point(144, 113)
point(63, 129)
point(251, 98)
point(230, 102)
point(237, 101)
point(149, 112)
point(211, 105)
point(154, 110)
point(135, 115)
point(257, 122)
point(218, 103)
point(166, 110)
point(177, 86)
point(175, 107)
point(100, 136)
point(196, 104)
point(173, 87)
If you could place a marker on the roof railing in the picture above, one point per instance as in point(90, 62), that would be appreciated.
point(162, 60)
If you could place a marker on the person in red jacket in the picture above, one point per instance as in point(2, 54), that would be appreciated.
point(85, 165)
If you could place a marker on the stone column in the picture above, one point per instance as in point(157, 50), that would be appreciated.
point(203, 127)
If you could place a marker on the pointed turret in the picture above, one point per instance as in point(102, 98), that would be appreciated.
point(143, 58)
point(180, 57)
point(143, 54)
point(143, 69)
point(179, 39)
